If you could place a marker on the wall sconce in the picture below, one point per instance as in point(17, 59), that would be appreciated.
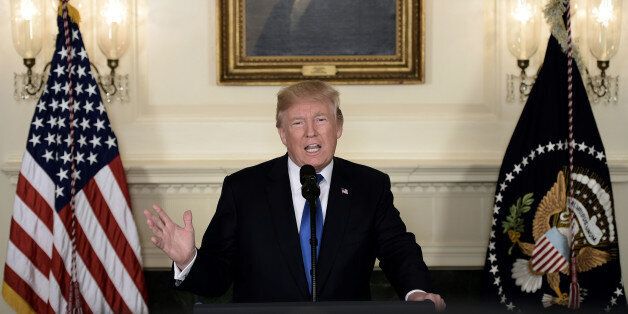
point(112, 27)
point(523, 28)
point(600, 20)
point(112, 31)
point(603, 34)
point(27, 24)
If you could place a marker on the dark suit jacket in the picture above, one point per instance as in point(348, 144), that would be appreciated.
point(252, 240)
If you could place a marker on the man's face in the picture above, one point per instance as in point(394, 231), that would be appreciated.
point(309, 130)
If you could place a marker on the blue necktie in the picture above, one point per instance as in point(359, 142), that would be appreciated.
point(305, 234)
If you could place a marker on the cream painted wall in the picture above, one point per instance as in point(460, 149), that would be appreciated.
point(441, 141)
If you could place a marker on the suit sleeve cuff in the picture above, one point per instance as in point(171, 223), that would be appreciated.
point(411, 292)
point(180, 274)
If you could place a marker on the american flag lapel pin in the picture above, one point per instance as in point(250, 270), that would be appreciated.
point(344, 191)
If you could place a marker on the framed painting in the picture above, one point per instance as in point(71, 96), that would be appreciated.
point(269, 42)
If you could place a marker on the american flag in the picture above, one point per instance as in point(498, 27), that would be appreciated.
point(46, 250)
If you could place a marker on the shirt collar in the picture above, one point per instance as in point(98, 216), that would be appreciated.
point(326, 172)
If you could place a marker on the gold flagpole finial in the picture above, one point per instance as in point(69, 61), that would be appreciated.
point(72, 12)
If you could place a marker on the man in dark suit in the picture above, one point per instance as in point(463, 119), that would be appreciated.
point(258, 238)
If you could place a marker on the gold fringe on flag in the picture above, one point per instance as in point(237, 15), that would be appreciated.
point(554, 11)
point(15, 300)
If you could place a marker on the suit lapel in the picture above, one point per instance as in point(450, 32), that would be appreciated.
point(282, 212)
point(336, 218)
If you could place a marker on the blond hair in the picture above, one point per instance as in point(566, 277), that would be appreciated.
point(318, 91)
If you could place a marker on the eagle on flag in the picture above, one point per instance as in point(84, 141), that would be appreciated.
point(550, 252)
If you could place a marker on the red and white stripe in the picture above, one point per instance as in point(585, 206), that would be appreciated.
point(108, 260)
point(546, 258)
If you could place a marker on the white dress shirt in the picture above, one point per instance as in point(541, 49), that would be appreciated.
point(298, 202)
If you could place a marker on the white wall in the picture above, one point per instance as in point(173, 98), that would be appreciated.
point(441, 142)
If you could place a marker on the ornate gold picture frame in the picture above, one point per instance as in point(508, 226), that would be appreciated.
point(271, 42)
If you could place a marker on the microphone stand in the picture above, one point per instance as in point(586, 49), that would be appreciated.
point(311, 191)
point(313, 244)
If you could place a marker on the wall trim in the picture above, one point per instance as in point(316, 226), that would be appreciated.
point(177, 180)
point(199, 171)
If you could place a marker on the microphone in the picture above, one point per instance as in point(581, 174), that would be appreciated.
point(309, 184)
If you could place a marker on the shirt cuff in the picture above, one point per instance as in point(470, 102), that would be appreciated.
point(180, 274)
point(411, 292)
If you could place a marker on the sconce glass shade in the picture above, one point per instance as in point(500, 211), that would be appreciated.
point(112, 27)
point(27, 24)
point(523, 28)
point(603, 28)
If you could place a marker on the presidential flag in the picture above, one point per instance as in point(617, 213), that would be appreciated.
point(72, 220)
point(534, 249)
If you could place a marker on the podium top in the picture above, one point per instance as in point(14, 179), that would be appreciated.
point(340, 307)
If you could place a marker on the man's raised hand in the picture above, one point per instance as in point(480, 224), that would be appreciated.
point(176, 241)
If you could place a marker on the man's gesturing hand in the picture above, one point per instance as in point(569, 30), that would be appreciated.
point(176, 241)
